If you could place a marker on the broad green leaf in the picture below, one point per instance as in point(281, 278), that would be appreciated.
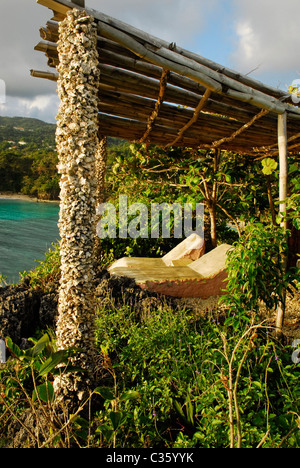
point(106, 431)
point(269, 166)
point(45, 392)
point(13, 348)
point(130, 395)
point(105, 392)
point(189, 410)
point(40, 345)
point(115, 417)
point(52, 362)
point(179, 408)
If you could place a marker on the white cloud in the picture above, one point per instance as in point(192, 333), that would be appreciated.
point(248, 40)
point(268, 36)
point(42, 107)
point(172, 20)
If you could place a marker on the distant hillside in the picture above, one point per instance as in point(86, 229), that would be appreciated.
point(28, 157)
point(27, 130)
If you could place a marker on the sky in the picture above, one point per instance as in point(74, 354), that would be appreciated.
point(257, 37)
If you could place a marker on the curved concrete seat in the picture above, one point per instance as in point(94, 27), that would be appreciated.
point(189, 249)
point(202, 278)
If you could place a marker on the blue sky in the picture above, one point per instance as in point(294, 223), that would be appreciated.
point(259, 35)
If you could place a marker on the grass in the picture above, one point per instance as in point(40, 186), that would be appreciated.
point(167, 380)
point(164, 378)
point(200, 383)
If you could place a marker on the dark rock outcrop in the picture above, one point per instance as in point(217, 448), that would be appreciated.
point(24, 310)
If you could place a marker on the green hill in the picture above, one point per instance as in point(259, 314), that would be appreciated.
point(28, 157)
point(27, 130)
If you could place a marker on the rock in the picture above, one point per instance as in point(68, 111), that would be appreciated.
point(24, 310)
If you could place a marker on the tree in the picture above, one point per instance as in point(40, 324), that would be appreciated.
point(228, 184)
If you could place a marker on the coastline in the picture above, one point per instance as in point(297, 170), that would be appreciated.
point(20, 196)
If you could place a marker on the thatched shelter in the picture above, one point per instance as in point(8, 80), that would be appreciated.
point(144, 90)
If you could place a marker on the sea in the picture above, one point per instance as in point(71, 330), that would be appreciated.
point(27, 231)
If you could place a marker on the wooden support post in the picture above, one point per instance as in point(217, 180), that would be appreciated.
point(283, 183)
point(283, 165)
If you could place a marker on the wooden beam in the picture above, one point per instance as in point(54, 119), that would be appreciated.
point(113, 54)
point(45, 75)
point(156, 42)
point(203, 75)
point(283, 187)
point(57, 7)
point(136, 47)
point(194, 119)
point(217, 144)
point(283, 165)
point(244, 86)
point(158, 104)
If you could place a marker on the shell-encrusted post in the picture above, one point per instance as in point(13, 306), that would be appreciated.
point(77, 143)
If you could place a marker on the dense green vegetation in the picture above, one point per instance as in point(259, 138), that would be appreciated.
point(28, 158)
point(165, 377)
point(236, 190)
point(27, 129)
point(29, 171)
point(169, 377)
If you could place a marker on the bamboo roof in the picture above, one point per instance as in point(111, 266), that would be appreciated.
point(155, 92)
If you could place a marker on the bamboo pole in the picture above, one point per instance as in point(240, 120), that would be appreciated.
point(130, 82)
point(217, 144)
point(186, 67)
point(114, 54)
point(125, 81)
point(64, 5)
point(129, 105)
point(144, 46)
point(142, 52)
point(129, 128)
point(44, 75)
point(283, 182)
point(194, 119)
point(152, 118)
point(209, 126)
point(283, 165)
point(220, 103)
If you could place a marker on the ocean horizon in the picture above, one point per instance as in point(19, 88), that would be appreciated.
point(27, 231)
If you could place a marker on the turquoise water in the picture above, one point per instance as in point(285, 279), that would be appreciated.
point(27, 230)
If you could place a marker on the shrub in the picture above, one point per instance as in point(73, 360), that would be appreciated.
point(256, 270)
point(200, 383)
